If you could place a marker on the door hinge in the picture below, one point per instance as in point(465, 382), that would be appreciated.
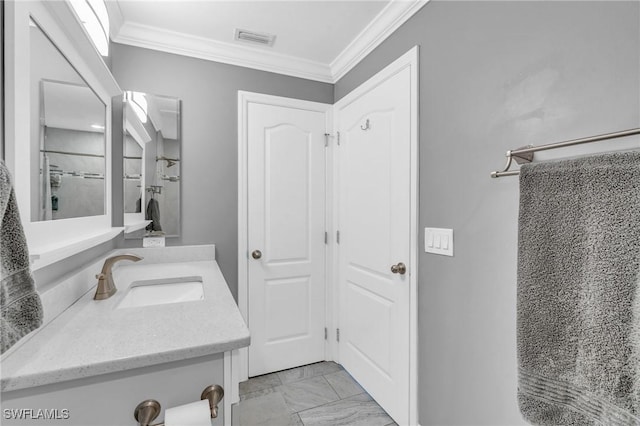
point(338, 137)
point(325, 333)
point(326, 139)
point(326, 237)
point(337, 237)
point(337, 334)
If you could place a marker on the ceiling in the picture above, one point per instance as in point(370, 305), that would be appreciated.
point(72, 106)
point(315, 39)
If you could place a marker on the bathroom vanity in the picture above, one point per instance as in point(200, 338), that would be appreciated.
point(171, 329)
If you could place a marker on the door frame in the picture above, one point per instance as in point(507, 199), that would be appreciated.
point(244, 99)
point(409, 59)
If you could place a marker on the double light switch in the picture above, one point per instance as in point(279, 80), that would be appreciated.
point(438, 241)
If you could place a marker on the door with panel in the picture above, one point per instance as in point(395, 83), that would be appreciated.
point(375, 237)
point(286, 235)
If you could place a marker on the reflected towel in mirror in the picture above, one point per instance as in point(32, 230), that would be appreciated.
point(153, 214)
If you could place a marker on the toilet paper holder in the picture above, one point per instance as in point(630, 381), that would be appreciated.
point(149, 409)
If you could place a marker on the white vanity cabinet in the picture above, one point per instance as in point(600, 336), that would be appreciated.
point(94, 361)
point(110, 399)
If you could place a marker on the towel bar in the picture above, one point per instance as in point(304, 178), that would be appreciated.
point(525, 154)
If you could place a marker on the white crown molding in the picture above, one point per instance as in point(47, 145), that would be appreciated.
point(229, 53)
point(116, 18)
point(396, 13)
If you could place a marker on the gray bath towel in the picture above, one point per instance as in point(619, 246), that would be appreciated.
point(578, 292)
point(153, 214)
point(20, 306)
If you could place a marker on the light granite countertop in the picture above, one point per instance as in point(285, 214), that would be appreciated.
point(93, 337)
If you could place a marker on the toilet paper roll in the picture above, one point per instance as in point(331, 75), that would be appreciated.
point(193, 414)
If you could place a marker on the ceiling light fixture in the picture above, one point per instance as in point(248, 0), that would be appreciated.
point(95, 19)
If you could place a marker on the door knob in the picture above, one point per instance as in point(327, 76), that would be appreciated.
point(400, 268)
point(256, 254)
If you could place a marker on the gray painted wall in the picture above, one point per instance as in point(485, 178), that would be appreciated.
point(495, 76)
point(209, 163)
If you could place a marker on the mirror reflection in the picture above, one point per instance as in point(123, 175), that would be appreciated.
point(133, 155)
point(67, 137)
point(160, 169)
point(135, 139)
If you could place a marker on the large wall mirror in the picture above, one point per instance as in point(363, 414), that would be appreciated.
point(67, 137)
point(160, 167)
point(58, 94)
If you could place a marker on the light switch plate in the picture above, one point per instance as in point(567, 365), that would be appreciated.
point(438, 241)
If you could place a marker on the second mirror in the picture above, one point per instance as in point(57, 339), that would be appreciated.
point(152, 168)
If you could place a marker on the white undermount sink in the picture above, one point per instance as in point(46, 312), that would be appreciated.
point(162, 291)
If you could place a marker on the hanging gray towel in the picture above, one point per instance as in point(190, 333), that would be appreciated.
point(20, 306)
point(153, 214)
point(578, 294)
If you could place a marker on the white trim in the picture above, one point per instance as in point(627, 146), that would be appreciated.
point(46, 255)
point(149, 37)
point(132, 225)
point(244, 99)
point(231, 386)
point(243, 214)
point(409, 59)
point(330, 311)
point(231, 383)
point(333, 192)
point(116, 18)
point(396, 13)
point(392, 16)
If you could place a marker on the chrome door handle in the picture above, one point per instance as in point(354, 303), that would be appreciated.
point(256, 254)
point(400, 268)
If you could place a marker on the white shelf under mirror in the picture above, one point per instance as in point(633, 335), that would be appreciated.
point(45, 255)
point(135, 226)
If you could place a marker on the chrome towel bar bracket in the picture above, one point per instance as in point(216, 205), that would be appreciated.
point(525, 154)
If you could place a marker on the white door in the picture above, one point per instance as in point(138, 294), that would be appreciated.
point(375, 234)
point(286, 236)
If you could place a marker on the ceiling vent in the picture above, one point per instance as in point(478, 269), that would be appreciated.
point(256, 38)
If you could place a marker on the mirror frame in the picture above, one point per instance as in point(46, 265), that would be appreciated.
point(50, 241)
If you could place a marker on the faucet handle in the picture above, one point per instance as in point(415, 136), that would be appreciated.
point(106, 287)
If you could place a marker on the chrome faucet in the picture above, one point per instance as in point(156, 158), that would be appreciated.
point(106, 286)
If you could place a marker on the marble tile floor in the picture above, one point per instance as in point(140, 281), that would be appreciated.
point(320, 394)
